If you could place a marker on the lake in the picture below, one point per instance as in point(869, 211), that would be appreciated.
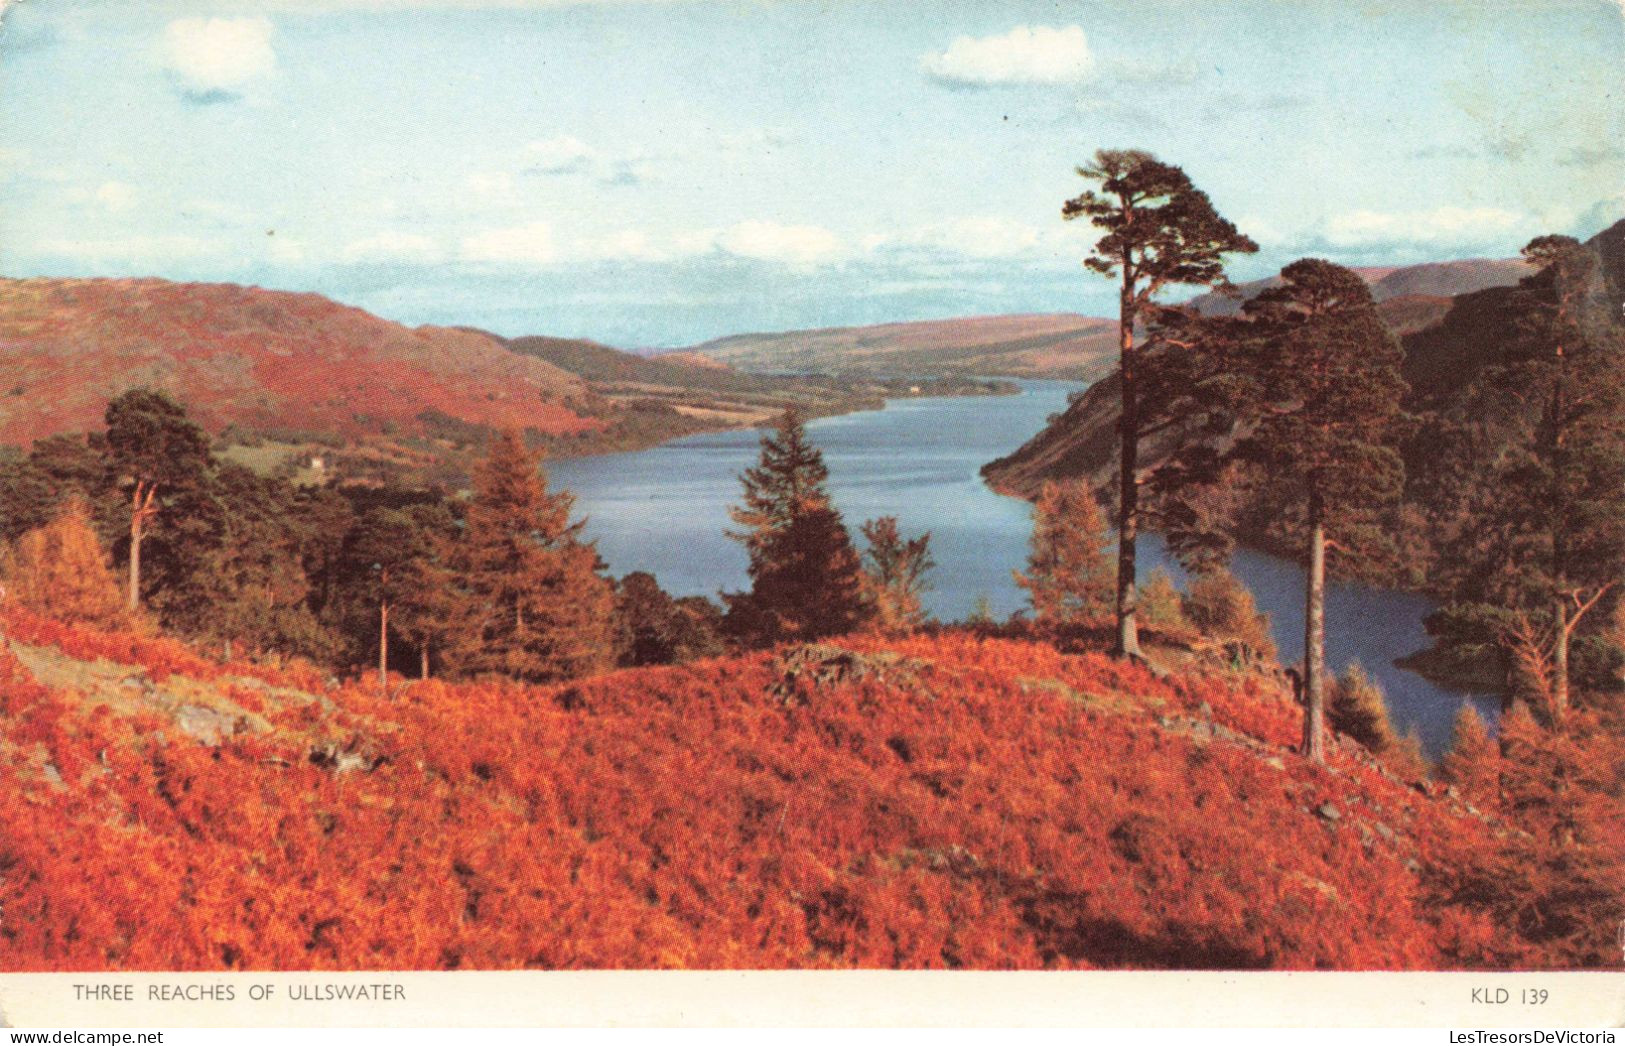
point(665, 510)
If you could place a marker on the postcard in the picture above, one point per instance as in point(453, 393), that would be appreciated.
point(586, 512)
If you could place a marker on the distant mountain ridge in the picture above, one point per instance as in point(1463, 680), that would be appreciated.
point(1430, 279)
point(1054, 345)
point(1047, 345)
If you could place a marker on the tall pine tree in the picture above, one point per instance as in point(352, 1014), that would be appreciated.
point(1557, 525)
point(1158, 232)
point(1325, 410)
point(806, 579)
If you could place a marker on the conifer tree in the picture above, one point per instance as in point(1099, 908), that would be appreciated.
point(1068, 578)
point(60, 571)
point(1357, 709)
point(1158, 232)
point(1326, 407)
point(1553, 549)
point(227, 567)
point(806, 578)
point(159, 451)
point(895, 574)
point(530, 603)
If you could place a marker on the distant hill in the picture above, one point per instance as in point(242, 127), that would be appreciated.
point(283, 373)
point(709, 393)
point(1059, 345)
point(260, 360)
point(1053, 345)
point(1430, 279)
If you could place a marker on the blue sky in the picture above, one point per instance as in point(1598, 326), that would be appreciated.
point(658, 173)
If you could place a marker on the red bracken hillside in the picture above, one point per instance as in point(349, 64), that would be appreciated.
point(264, 360)
point(948, 801)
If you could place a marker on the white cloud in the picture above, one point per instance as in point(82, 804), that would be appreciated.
point(977, 237)
point(1441, 226)
point(115, 196)
point(530, 244)
point(1024, 55)
point(791, 244)
point(567, 154)
point(392, 246)
point(285, 250)
point(218, 57)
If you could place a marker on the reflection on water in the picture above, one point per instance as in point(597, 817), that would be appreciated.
point(665, 510)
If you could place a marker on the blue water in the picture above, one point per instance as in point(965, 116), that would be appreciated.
point(665, 510)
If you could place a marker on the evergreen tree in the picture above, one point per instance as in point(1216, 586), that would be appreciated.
point(1549, 549)
point(159, 452)
point(1326, 409)
point(60, 571)
point(1158, 232)
point(227, 567)
point(424, 601)
point(895, 575)
point(806, 579)
point(655, 629)
point(1068, 579)
point(530, 603)
point(379, 558)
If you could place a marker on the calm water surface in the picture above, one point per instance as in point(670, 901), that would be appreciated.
point(665, 510)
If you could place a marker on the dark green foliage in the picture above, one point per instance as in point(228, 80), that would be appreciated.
point(226, 567)
point(806, 579)
point(154, 447)
point(1325, 396)
point(151, 441)
point(1157, 231)
point(655, 629)
point(1547, 542)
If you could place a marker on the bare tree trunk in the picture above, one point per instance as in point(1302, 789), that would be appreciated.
point(383, 647)
point(1314, 639)
point(423, 660)
point(1128, 516)
point(135, 547)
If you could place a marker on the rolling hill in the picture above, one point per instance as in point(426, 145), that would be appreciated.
point(950, 801)
point(1429, 280)
point(259, 360)
point(1036, 346)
